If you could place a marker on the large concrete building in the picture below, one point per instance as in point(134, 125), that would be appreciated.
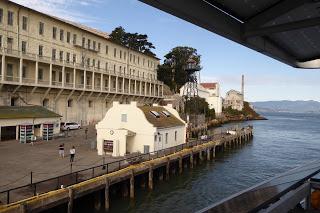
point(68, 68)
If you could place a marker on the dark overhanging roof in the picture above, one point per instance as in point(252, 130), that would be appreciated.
point(286, 30)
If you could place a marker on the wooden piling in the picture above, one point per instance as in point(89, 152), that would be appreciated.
point(70, 202)
point(180, 164)
point(23, 208)
point(97, 201)
point(150, 181)
point(191, 160)
point(106, 195)
point(208, 154)
point(132, 185)
point(200, 155)
point(168, 169)
point(214, 152)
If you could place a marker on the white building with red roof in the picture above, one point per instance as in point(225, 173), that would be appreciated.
point(211, 93)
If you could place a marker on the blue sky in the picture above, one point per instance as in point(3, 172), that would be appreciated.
point(222, 60)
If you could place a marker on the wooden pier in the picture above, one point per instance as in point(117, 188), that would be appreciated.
point(163, 167)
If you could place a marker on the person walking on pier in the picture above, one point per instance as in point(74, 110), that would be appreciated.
point(61, 150)
point(72, 154)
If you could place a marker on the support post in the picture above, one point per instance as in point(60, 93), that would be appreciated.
point(74, 77)
point(150, 181)
point(200, 155)
point(70, 203)
point(20, 70)
point(180, 164)
point(50, 74)
point(214, 152)
point(3, 67)
point(168, 169)
point(208, 154)
point(23, 208)
point(132, 185)
point(106, 195)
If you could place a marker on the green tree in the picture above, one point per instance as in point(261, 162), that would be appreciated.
point(198, 106)
point(135, 41)
point(174, 66)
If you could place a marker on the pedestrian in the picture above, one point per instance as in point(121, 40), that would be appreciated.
point(61, 150)
point(72, 154)
point(86, 132)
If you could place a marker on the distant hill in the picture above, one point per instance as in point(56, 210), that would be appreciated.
point(287, 106)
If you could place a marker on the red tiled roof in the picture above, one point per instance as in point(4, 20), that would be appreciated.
point(209, 85)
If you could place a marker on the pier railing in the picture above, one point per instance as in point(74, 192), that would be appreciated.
point(34, 188)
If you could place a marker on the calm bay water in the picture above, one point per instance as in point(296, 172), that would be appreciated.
point(281, 143)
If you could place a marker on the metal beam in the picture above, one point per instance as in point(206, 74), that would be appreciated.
point(71, 93)
point(290, 200)
point(80, 96)
point(46, 94)
point(16, 89)
point(58, 95)
point(275, 11)
point(283, 27)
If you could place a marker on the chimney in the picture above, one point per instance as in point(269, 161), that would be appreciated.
point(242, 87)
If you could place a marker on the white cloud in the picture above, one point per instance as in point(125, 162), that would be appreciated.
point(65, 9)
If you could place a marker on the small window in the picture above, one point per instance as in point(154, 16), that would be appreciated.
point(166, 138)
point(10, 18)
point(68, 77)
point(1, 15)
point(115, 52)
point(155, 137)
point(94, 45)
point(24, 23)
point(40, 74)
point(120, 54)
point(61, 55)
point(61, 35)
point(24, 72)
point(74, 58)
point(123, 117)
point(70, 103)
point(45, 102)
point(54, 51)
point(166, 113)
point(83, 42)
point(68, 57)
point(175, 135)
point(155, 114)
point(68, 37)
point(89, 43)
point(40, 50)
point(54, 33)
point(107, 49)
point(90, 104)
point(99, 47)
point(24, 46)
point(74, 38)
point(41, 28)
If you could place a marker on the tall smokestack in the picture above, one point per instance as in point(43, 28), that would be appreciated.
point(242, 87)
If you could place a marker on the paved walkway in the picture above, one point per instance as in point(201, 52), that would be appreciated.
point(18, 160)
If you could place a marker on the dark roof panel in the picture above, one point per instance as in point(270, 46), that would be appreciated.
point(16, 112)
point(162, 121)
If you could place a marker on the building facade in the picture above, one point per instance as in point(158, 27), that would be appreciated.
point(129, 128)
point(211, 93)
point(68, 68)
point(233, 99)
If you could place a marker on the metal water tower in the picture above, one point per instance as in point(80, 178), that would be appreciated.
point(190, 89)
